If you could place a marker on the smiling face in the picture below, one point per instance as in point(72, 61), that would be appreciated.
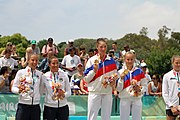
point(176, 64)
point(129, 59)
point(33, 61)
point(54, 64)
point(101, 46)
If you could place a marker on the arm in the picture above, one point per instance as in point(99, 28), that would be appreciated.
point(149, 89)
point(82, 87)
point(2, 83)
point(16, 83)
point(67, 87)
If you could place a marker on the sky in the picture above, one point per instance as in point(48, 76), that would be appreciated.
point(72, 19)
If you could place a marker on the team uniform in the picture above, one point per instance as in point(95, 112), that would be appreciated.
point(129, 102)
point(99, 96)
point(56, 109)
point(28, 106)
point(170, 90)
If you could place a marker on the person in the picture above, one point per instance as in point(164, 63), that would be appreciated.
point(70, 62)
point(14, 53)
point(170, 89)
point(131, 87)
point(8, 46)
point(7, 60)
point(57, 90)
point(4, 82)
point(100, 75)
point(24, 60)
point(154, 87)
point(111, 54)
point(147, 76)
point(70, 44)
point(90, 54)
point(83, 87)
point(28, 84)
point(76, 79)
point(126, 49)
point(34, 47)
point(44, 65)
point(49, 46)
point(83, 55)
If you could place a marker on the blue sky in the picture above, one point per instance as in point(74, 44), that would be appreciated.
point(73, 19)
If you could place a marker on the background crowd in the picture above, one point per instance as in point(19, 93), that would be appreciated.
point(73, 63)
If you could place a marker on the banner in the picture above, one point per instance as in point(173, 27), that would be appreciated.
point(152, 106)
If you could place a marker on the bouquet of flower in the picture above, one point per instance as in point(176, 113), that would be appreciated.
point(135, 89)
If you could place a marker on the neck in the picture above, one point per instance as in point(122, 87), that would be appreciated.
point(102, 56)
point(129, 67)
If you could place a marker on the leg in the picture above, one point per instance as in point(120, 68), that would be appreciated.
point(35, 112)
point(106, 107)
point(125, 105)
point(49, 113)
point(22, 112)
point(62, 113)
point(94, 104)
point(136, 109)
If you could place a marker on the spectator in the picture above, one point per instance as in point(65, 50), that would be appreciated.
point(76, 79)
point(8, 46)
point(7, 60)
point(111, 54)
point(83, 87)
point(44, 65)
point(83, 55)
point(35, 48)
point(126, 49)
point(24, 61)
point(4, 82)
point(14, 53)
point(69, 45)
point(90, 54)
point(70, 62)
point(147, 76)
point(147, 70)
point(49, 46)
point(154, 87)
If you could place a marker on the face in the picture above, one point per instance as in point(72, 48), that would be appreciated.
point(6, 75)
point(154, 78)
point(102, 47)
point(33, 61)
point(176, 64)
point(129, 60)
point(50, 43)
point(54, 65)
point(114, 46)
point(80, 68)
point(90, 54)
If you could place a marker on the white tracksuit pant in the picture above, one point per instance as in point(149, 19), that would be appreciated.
point(97, 101)
point(130, 105)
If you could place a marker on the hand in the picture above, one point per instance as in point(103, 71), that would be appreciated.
point(136, 88)
point(95, 67)
point(174, 110)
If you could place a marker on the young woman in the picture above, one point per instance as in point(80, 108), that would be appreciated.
point(98, 69)
point(131, 86)
point(4, 82)
point(170, 89)
point(57, 89)
point(154, 87)
point(27, 84)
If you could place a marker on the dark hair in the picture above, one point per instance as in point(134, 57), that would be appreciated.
point(50, 39)
point(91, 50)
point(3, 70)
point(102, 40)
point(114, 43)
point(7, 51)
point(50, 59)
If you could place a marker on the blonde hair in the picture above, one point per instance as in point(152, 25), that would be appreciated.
point(129, 52)
point(174, 57)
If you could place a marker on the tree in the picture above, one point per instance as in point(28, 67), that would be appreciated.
point(143, 31)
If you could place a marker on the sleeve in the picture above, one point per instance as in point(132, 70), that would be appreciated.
point(64, 61)
point(119, 82)
point(165, 91)
point(16, 83)
point(1, 63)
point(144, 85)
point(89, 72)
point(67, 87)
point(42, 84)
